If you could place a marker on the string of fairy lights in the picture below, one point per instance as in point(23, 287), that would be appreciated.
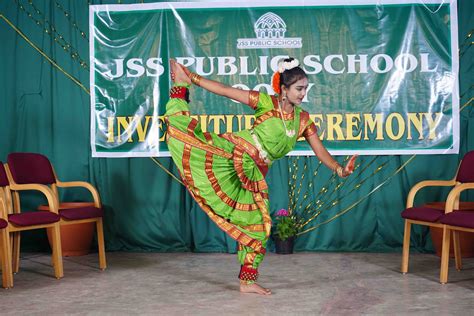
point(360, 200)
point(330, 194)
point(72, 22)
point(59, 39)
point(303, 203)
point(39, 19)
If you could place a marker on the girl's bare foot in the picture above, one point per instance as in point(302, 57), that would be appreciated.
point(254, 288)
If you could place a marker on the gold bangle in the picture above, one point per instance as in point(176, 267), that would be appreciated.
point(340, 171)
point(335, 166)
point(195, 78)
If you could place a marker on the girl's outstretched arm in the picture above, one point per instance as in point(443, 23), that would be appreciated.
point(218, 88)
point(326, 158)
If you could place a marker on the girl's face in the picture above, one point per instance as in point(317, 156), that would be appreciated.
point(296, 92)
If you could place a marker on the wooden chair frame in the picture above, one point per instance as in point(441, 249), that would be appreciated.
point(408, 222)
point(452, 202)
point(7, 274)
point(11, 203)
point(97, 220)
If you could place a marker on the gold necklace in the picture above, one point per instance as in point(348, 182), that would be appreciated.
point(291, 132)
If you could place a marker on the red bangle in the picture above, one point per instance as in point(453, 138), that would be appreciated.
point(178, 92)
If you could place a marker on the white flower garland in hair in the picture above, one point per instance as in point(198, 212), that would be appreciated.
point(287, 65)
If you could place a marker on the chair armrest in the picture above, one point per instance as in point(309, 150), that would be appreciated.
point(53, 203)
point(427, 183)
point(453, 196)
point(82, 184)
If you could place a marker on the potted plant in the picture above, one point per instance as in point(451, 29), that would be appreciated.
point(284, 231)
point(76, 239)
point(466, 239)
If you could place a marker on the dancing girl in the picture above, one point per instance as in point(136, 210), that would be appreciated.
point(225, 173)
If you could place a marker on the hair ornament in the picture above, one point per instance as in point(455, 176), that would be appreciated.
point(276, 82)
point(287, 65)
point(282, 66)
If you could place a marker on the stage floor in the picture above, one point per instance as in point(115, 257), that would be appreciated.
point(206, 284)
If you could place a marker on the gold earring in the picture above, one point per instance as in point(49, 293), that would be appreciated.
point(283, 98)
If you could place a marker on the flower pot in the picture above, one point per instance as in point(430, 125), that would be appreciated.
point(466, 239)
point(76, 239)
point(284, 247)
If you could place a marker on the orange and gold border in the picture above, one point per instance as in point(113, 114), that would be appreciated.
point(267, 220)
point(253, 99)
point(191, 126)
point(247, 183)
point(191, 140)
point(186, 166)
point(286, 116)
point(310, 130)
point(304, 119)
point(218, 190)
point(305, 129)
point(265, 116)
point(255, 228)
point(231, 229)
point(248, 148)
point(270, 114)
point(208, 137)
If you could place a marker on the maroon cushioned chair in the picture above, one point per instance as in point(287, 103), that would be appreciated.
point(7, 275)
point(457, 220)
point(18, 220)
point(5, 253)
point(36, 168)
point(434, 217)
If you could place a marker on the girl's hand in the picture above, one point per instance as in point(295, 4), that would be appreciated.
point(349, 168)
point(185, 69)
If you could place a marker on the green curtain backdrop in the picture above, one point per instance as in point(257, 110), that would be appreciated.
point(45, 109)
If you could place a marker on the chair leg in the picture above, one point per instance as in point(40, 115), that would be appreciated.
point(7, 274)
point(101, 244)
point(15, 242)
point(457, 250)
point(406, 247)
point(4, 258)
point(443, 275)
point(57, 252)
point(49, 231)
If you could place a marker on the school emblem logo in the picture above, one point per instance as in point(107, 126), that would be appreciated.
point(270, 30)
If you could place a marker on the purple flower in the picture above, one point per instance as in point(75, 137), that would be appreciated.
point(282, 212)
